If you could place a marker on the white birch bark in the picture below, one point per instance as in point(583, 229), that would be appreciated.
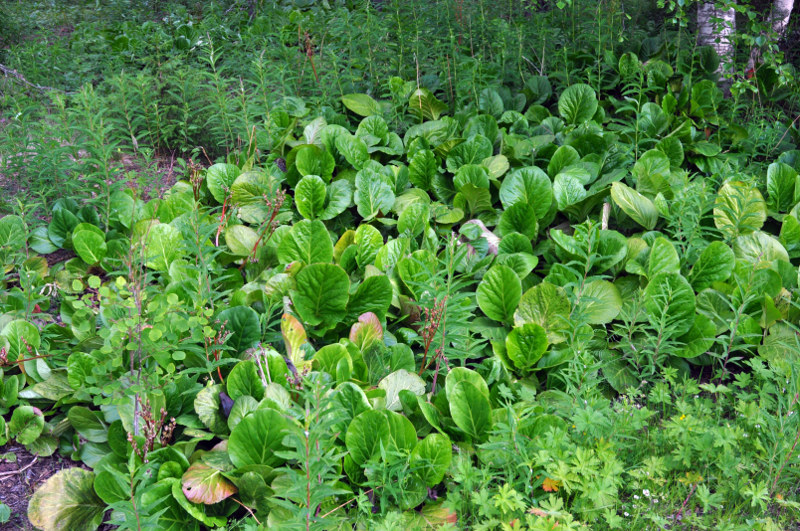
point(779, 18)
point(715, 28)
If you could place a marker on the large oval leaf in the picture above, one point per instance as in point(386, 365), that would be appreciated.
point(256, 438)
point(67, 502)
point(321, 294)
point(499, 292)
point(638, 207)
point(670, 300)
point(367, 432)
point(307, 242)
point(577, 104)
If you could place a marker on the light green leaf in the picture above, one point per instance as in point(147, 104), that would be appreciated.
point(499, 293)
point(525, 346)
point(669, 299)
point(307, 242)
point(219, 178)
point(321, 295)
point(309, 196)
point(256, 438)
point(367, 432)
point(600, 302)
point(577, 104)
point(546, 305)
point(635, 205)
point(431, 457)
point(361, 104)
point(372, 195)
point(714, 265)
point(739, 209)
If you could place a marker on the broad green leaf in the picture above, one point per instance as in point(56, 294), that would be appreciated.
point(568, 191)
point(26, 424)
point(241, 240)
point(172, 515)
point(314, 160)
point(307, 242)
point(431, 457)
point(243, 326)
point(422, 167)
point(89, 424)
point(546, 305)
point(164, 244)
point(353, 149)
point(372, 195)
point(739, 209)
point(600, 302)
point(564, 157)
point(519, 218)
point(67, 501)
point(759, 248)
point(714, 265)
point(525, 346)
point(470, 152)
point(471, 174)
point(635, 205)
point(255, 440)
point(198, 512)
point(413, 220)
point(13, 232)
point(21, 335)
point(61, 226)
point(368, 242)
point(499, 293)
point(670, 300)
point(528, 185)
point(309, 196)
point(781, 182)
point(209, 410)
point(462, 374)
point(244, 380)
point(470, 409)
point(577, 104)
point(423, 104)
point(373, 130)
point(219, 178)
point(652, 172)
point(361, 104)
point(40, 242)
point(337, 199)
point(698, 339)
point(321, 294)
point(374, 295)
point(663, 258)
point(367, 432)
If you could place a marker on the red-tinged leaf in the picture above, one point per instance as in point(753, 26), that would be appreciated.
point(551, 485)
point(204, 484)
point(294, 335)
point(366, 331)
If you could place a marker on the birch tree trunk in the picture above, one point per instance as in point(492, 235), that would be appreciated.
point(779, 16)
point(715, 27)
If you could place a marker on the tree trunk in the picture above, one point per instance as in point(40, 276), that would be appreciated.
point(779, 18)
point(715, 28)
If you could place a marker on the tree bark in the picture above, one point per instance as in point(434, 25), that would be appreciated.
point(715, 27)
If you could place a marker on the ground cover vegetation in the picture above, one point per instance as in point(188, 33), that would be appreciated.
point(401, 264)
